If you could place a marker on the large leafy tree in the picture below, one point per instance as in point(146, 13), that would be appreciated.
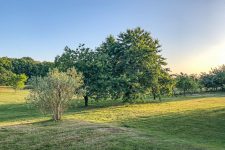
point(88, 63)
point(166, 83)
point(134, 63)
point(108, 58)
point(126, 67)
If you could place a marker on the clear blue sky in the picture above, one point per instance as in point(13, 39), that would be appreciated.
point(192, 32)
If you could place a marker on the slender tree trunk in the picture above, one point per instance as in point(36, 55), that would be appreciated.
point(154, 96)
point(54, 115)
point(86, 100)
point(153, 92)
point(57, 114)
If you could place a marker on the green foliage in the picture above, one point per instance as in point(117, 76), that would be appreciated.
point(5, 76)
point(31, 67)
point(5, 71)
point(89, 63)
point(186, 83)
point(25, 65)
point(166, 83)
point(52, 93)
point(8, 78)
point(134, 64)
point(124, 68)
point(214, 80)
point(18, 81)
point(219, 76)
point(6, 63)
point(41, 68)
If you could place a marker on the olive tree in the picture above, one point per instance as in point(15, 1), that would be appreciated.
point(52, 93)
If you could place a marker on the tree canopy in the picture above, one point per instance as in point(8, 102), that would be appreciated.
point(126, 67)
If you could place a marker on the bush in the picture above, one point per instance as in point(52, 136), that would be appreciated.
point(52, 93)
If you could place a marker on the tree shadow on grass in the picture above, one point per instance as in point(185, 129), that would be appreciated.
point(14, 112)
point(18, 112)
point(205, 127)
point(78, 105)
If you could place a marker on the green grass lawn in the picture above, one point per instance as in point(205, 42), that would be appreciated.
point(178, 123)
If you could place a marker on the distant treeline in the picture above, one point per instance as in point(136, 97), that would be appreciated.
point(127, 67)
point(26, 66)
point(212, 81)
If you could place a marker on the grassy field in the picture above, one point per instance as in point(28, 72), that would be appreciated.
point(191, 123)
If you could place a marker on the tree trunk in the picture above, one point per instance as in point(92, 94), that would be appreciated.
point(86, 100)
point(126, 97)
point(57, 115)
point(154, 96)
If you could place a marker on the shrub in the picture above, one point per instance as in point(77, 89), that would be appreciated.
point(52, 93)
